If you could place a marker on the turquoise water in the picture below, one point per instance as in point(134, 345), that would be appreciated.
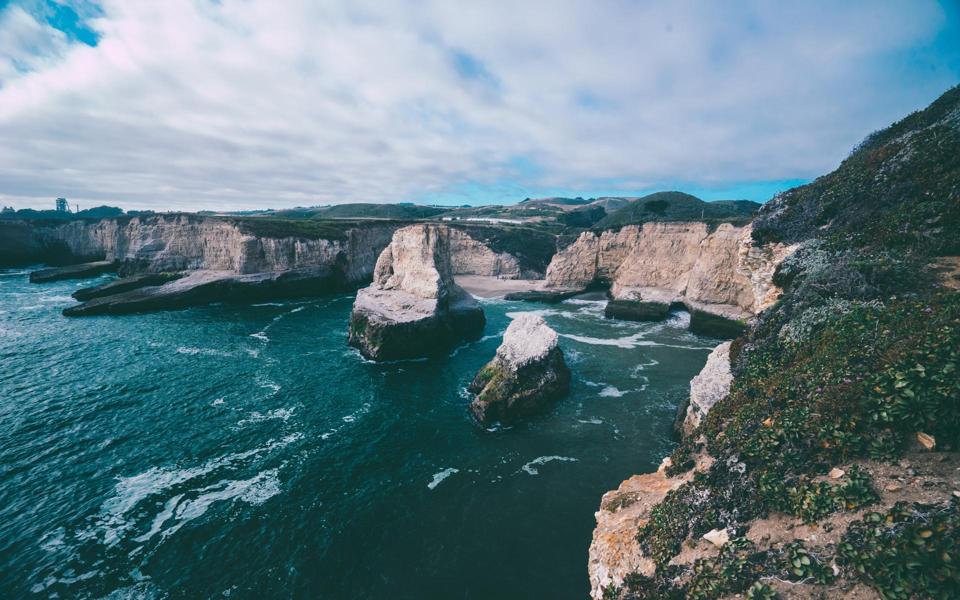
point(245, 451)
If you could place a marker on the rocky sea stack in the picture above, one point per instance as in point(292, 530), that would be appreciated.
point(527, 374)
point(414, 308)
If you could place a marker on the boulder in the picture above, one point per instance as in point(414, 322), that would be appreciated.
point(414, 308)
point(527, 374)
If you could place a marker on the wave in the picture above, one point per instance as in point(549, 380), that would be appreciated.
point(134, 495)
point(612, 392)
point(281, 414)
point(439, 477)
point(531, 467)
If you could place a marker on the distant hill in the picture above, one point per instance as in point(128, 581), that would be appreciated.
point(377, 211)
point(678, 206)
point(555, 201)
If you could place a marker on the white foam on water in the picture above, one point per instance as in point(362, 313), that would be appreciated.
point(439, 477)
point(642, 366)
point(680, 320)
point(630, 341)
point(217, 402)
point(189, 350)
point(591, 421)
point(118, 513)
point(546, 312)
point(296, 310)
point(612, 392)
point(282, 414)
point(56, 299)
point(260, 335)
point(268, 384)
point(531, 467)
point(180, 510)
point(268, 304)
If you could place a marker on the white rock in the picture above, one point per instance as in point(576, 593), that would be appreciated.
point(836, 473)
point(710, 386)
point(717, 537)
point(527, 339)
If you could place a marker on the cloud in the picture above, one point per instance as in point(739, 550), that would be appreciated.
point(189, 104)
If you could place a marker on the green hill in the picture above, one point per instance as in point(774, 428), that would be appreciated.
point(678, 206)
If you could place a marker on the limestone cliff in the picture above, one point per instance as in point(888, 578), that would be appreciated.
point(718, 271)
point(187, 242)
point(413, 308)
point(526, 375)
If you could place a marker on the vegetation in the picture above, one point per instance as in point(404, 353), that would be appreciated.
point(273, 227)
point(907, 552)
point(532, 246)
point(856, 362)
point(677, 206)
point(29, 214)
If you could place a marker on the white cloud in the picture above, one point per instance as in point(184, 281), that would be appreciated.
point(193, 104)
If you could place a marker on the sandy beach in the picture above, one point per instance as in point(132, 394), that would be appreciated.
point(491, 287)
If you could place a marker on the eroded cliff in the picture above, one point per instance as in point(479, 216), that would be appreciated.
point(719, 271)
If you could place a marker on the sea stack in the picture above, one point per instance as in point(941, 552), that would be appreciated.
point(527, 374)
point(413, 308)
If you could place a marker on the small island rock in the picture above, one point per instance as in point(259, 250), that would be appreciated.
point(527, 374)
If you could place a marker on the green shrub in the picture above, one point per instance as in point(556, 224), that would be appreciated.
point(907, 552)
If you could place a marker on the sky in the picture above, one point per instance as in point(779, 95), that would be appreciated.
point(240, 104)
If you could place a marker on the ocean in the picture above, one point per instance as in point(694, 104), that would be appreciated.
point(245, 451)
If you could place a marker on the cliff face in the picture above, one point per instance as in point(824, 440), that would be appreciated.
point(472, 257)
point(719, 271)
point(182, 243)
point(185, 243)
point(413, 308)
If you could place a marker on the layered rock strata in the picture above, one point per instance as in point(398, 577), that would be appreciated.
point(527, 374)
point(414, 308)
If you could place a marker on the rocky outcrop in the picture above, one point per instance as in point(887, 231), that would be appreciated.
point(710, 386)
point(203, 287)
point(413, 308)
point(81, 271)
point(614, 550)
point(125, 284)
point(719, 271)
point(527, 374)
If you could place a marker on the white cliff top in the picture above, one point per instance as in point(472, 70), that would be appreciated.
point(527, 339)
